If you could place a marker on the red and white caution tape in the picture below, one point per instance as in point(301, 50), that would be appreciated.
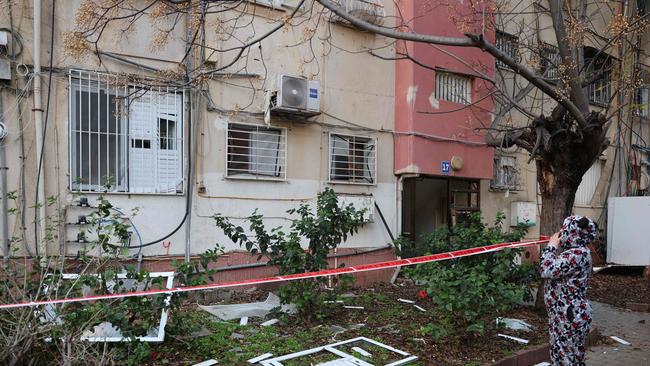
point(293, 277)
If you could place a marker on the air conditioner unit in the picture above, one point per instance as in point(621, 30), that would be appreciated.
point(371, 11)
point(296, 95)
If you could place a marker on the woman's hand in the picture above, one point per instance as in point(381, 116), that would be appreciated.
point(554, 241)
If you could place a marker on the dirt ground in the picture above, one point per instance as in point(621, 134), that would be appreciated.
point(383, 318)
point(619, 285)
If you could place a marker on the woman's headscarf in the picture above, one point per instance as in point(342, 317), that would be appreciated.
point(578, 231)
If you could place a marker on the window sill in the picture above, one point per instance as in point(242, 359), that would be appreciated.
point(254, 178)
point(175, 194)
point(342, 182)
point(281, 8)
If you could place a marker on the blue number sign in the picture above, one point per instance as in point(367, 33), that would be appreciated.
point(445, 167)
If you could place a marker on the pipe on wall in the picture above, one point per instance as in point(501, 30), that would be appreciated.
point(4, 190)
point(38, 127)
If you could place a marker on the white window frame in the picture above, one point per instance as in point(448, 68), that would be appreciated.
point(450, 85)
point(282, 159)
point(90, 82)
point(643, 102)
point(508, 44)
point(331, 178)
point(499, 181)
point(599, 91)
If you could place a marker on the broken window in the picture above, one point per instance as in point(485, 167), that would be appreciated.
point(256, 151)
point(505, 173)
point(454, 88)
point(464, 196)
point(352, 159)
point(598, 65)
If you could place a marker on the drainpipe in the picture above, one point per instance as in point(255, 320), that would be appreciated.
point(3, 182)
point(38, 126)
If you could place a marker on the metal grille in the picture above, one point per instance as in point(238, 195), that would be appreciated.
point(508, 44)
point(352, 159)
point(453, 87)
point(550, 58)
point(256, 152)
point(124, 138)
point(599, 91)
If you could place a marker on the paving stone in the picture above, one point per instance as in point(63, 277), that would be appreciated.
point(631, 326)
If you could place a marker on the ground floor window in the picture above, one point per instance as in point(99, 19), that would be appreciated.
point(352, 159)
point(124, 138)
point(256, 151)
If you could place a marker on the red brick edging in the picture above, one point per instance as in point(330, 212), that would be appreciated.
point(527, 357)
point(638, 306)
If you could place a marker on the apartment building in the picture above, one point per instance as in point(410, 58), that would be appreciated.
point(263, 130)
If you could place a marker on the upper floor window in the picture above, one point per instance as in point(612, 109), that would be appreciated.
point(643, 102)
point(550, 60)
point(598, 65)
point(352, 159)
point(124, 138)
point(505, 173)
point(256, 152)
point(453, 87)
point(508, 44)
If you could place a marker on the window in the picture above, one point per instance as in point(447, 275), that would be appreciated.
point(550, 60)
point(464, 200)
point(643, 102)
point(598, 91)
point(588, 185)
point(505, 173)
point(453, 87)
point(256, 152)
point(352, 159)
point(508, 44)
point(124, 138)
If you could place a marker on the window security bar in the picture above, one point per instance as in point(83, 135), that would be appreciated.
point(256, 152)
point(124, 137)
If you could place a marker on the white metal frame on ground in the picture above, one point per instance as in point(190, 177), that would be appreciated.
point(350, 359)
point(163, 315)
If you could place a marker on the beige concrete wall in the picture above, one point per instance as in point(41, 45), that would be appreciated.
point(356, 98)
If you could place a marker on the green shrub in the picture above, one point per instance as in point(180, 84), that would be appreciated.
point(472, 290)
point(323, 230)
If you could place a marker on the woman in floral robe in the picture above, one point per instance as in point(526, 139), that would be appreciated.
point(567, 271)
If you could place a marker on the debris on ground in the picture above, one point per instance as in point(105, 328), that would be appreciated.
point(514, 324)
point(518, 340)
point(269, 322)
point(619, 340)
point(249, 310)
point(260, 358)
point(207, 363)
point(396, 356)
point(353, 307)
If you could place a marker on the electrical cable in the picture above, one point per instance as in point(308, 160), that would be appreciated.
point(187, 199)
point(47, 113)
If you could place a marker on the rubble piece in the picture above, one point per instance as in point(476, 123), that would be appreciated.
point(209, 362)
point(420, 308)
point(237, 336)
point(253, 309)
point(269, 322)
point(345, 359)
point(334, 302)
point(362, 351)
point(260, 358)
point(406, 301)
point(518, 340)
point(243, 320)
point(619, 340)
point(515, 324)
point(336, 329)
point(353, 307)
point(349, 295)
point(356, 326)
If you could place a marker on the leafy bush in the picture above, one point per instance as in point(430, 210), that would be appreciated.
point(50, 335)
point(470, 290)
point(323, 230)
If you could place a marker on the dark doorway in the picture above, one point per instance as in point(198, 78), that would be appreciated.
point(431, 203)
